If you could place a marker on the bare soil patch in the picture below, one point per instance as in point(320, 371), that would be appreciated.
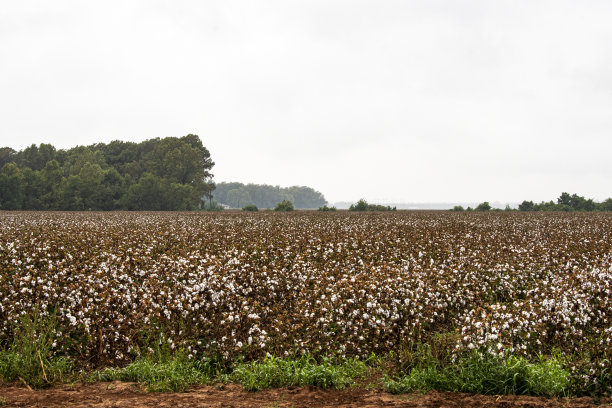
point(119, 394)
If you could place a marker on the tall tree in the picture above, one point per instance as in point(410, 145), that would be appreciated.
point(11, 187)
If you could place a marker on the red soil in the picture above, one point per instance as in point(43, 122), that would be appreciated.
point(118, 394)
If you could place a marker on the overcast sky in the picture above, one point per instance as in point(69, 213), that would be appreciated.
point(412, 101)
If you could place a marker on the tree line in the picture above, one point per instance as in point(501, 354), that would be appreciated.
point(171, 173)
point(239, 195)
point(567, 202)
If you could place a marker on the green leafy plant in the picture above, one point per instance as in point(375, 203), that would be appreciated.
point(484, 373)
point(174, 374)
point(284, 205)
point(484, 206)
point(274, 372)
point(30, 358)
point(362, 205)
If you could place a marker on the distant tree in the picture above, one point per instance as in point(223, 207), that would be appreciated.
point(326, 208)
point(73, 201)
point(526, 206)
point(267, 196)
point(91, 177)
point(31, 157)
point(115, 175)
point(284, 205)
point(361, 205)
point(33, 190)
point(212, 206)
point(52, 177)
point(250, 207)
point(11, 187)
point(380, 207)
point(564, 199)
point(306, 197)
point(7, 155)
point(145, 195)
point(457, 208)
point(606, 205)
point(484, 206)
point(238, 197)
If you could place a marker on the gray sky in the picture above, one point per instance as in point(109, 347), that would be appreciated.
point(414, 101)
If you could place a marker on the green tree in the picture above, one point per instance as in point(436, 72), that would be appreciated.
point(361, 205)
point(526, 206)
point(115, 175)
point(266, 196)
point(7, 155)
point(11, 187)
point(52, 178)
point(73, 201)
point(606, 205)
point(91, 188)
point(484, 206)
point(564, 199)
point(238, 198)
point(33, 190)
point(144, 195)
point(284, 205)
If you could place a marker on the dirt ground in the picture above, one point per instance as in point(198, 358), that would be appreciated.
point(118, 394)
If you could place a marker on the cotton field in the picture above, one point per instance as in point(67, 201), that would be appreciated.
point(347, 284)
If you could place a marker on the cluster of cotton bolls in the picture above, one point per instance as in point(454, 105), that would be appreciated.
point(342, 283)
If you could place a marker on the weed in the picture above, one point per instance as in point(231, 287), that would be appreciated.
point(30, 358)
point(274, 372)
point(483, 373)
point(175, 374)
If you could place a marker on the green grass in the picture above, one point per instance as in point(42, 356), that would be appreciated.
point(30, 358)
point(486, 374)
point(274, 372)
point(175, 374)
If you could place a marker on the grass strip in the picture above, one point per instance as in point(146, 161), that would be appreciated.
point(274, 372)
point(487, 374)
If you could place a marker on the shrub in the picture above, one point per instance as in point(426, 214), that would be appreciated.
point(284, 205)
point(484, 206)
point(457, 208)
point(250, 207)
point(526, 206)
point(326, 208)
point(362, 205)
